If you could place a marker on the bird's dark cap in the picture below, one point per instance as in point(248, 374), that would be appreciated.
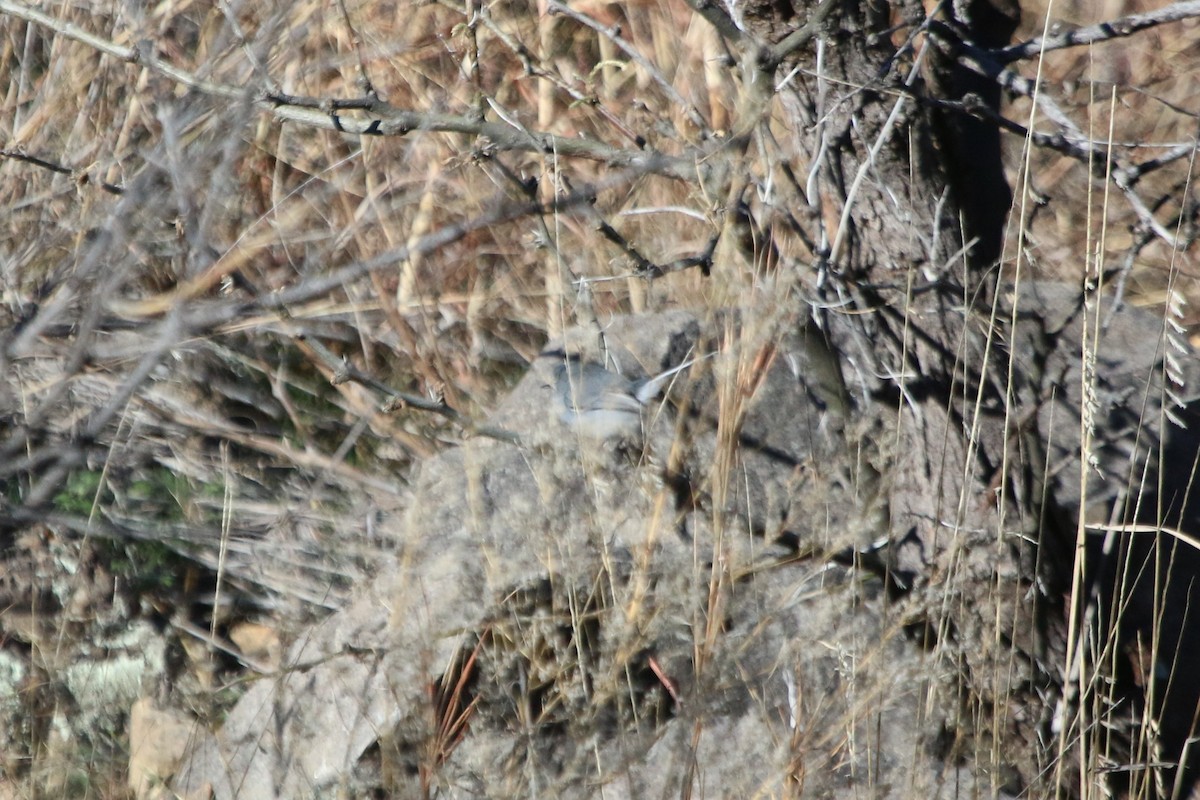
point(559, 354)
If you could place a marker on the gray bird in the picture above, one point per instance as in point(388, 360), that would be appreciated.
point(599, 403)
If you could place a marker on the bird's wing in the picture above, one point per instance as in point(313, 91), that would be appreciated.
point(618, 399)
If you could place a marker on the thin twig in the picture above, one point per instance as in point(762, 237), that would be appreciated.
point(344, 371)
point(81, 178)
point(613, 35)
point(364, 80)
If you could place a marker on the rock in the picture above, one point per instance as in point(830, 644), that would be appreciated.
point(158, 738)
point(779, 588)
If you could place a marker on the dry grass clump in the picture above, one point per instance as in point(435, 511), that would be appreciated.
point(164, 400)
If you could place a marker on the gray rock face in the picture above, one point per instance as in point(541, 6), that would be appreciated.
point(1139, 376)
point(702, 609)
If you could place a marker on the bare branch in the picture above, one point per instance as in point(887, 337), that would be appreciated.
point(717, 17)
point(389, 122)
point(1078, 144)
point(1100, 32)
point(206, 316)
point(1134, 172)
point(799, 38)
